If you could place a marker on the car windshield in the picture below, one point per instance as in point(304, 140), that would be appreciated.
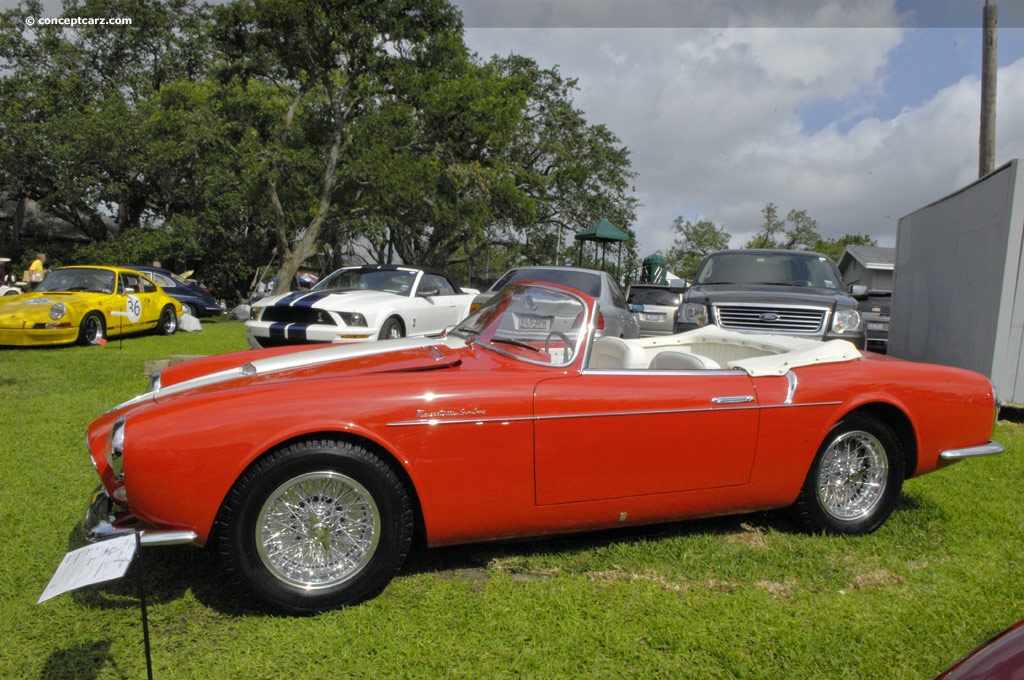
point(655, 296)
point(395, 281)
point(585, 282)
point(779, 268)
point(532, 323)
point(79, 280)
point(877, 303)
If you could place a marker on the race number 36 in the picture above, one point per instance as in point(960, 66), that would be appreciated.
point(133, 306)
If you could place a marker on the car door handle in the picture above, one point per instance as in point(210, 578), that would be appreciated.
point(740, 399)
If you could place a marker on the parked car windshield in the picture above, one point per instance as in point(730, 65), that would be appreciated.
point(384, 280)
point(85, 279)
point(530, 323)
point(777, 268)
point(877, 302)
point(586, 282)
point(668, 297)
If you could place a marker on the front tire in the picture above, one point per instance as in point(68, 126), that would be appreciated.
point(316, 525)
point(92, 329)
point(391, 330)
point(855, 479)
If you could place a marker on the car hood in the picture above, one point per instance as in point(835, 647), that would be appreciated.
point(767, 294)
point(283, 363)
point(33, 303)
point(329, 299)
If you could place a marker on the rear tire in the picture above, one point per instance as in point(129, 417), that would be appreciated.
point(855, 479)
point(316, 525)
point(168, 323)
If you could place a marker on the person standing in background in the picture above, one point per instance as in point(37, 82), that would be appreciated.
point(36, 270)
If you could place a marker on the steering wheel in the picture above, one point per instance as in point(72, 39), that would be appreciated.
point(565, 341)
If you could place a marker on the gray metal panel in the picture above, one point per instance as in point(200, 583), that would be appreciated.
point(1008, 368)
point(956, 279)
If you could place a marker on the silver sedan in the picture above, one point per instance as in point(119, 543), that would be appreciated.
point(614, 317)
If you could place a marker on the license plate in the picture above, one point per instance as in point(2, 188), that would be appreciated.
point(877, 326)
point(653, 317)
point(534, 323)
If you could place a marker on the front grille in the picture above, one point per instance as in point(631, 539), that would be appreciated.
point(303, 315)
point(772, 319)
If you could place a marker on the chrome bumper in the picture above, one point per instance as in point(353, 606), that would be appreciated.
point(972, 451)
point(104, 521)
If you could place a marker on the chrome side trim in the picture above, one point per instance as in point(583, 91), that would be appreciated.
point(989, 449)
point(791, 390)
point(457, 421)
point(738, 406)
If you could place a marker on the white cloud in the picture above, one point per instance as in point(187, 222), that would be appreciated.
point(713, 118)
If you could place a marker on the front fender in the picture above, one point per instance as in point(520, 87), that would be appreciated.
point(183, 455)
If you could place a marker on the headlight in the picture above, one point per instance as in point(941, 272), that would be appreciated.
point(254, 313)
point(115, 447)
point(846, 321)
point(694, 312)
point(353, 318)
point(58, 311)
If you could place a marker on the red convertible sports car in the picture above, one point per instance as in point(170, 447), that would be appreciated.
point(322, 464)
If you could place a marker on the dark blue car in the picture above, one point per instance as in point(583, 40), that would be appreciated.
point(194, 300)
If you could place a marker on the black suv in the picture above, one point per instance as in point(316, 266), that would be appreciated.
point(787, 292)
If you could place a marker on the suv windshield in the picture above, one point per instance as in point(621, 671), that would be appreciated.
point(781, 268)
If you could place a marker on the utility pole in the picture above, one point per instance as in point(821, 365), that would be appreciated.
point(989, 68)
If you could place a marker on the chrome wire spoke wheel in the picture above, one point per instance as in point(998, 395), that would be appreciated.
point(318, 530)
point(853, 475)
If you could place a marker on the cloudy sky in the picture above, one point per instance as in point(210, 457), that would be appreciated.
point(857, 111)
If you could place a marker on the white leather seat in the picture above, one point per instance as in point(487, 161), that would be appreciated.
point(609, 353)
point(681, 361)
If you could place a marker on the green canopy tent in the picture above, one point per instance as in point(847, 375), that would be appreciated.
point(602, 232)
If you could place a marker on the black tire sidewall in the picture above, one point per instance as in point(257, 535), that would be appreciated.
point(83, 333)
point(385, 330)
point(808, 509)
point(237, 530)
point(167, 324)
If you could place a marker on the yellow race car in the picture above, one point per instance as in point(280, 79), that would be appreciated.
point(86, 305)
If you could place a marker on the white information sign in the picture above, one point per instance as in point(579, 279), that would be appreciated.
point(96, 563)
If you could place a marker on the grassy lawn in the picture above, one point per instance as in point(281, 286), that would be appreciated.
point(742, 597)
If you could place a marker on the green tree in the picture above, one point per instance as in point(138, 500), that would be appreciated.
point(440, 173)
point(574, 173)
point(306, 128)
point(693, 241)
point(802, 231)
point(772, 231)
point(73, 100)
point(834, 247)
point(331, 68)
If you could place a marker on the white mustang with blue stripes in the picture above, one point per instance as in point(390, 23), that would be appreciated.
point(360, 304)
